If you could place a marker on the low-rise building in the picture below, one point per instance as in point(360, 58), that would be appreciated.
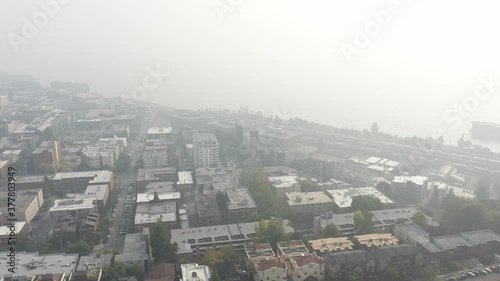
point(194, 242)
point(100, 193)
point(195, 272)
point(340, 265)
point(147, 197)
point(411, 188)
point(444, 248)
point(162, 272)
point(94, 261)
point(77, 182)
point(47, 156)
point(330, 245)
point(342, 198)
point(148, 214)
point(382, 220)
point(88, 229)
point(33, 181)
point(402, 256)
point(254, 251)
point(185, 182)
point(375, 240)
point(27, 203)
point(291, 248)
point(207, 211)
point(20, 228)
point(78, 208)
point(160, 187)
point(306, 267)
point(308, 203)
point(239, 204)
point(12, 155)
point(272, 269)
point(284, 184)
point(33, 264)
point(147, 176)
point(136, 251)
point(44, 230)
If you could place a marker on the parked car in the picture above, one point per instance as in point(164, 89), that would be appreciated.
point(488, 270)
point(470, 274)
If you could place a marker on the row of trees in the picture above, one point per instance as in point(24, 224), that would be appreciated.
point(261, 190)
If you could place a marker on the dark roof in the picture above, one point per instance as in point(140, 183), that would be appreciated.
point(230, 269)
point(162, 271)
point(394, 251)
point(355, 256)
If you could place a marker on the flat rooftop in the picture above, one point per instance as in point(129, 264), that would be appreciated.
point(156, 208)
point(73, 204)
point(202, 272)
point(420, 236)
point(94, 261)
point(154, 174)
point(333, 244)
point(33, 178)
point(98, 176)
point(163, 186)
point(284, 181)
point(159, 130)
point(98, 191)
point(343, 197)
point(149, 196)
point(189, 238)
point(381, 217)
point(292, 247)
point(376, 239)
point(31, 264)
point(239, 198)
point(307, 198)
point(207, 206)
point(204, 137)
point(185, 177)
point(419, 180)
point(134, 249)
point(258, 250)
point(5, 231)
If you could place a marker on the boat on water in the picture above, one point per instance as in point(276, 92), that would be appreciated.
point(485, 131)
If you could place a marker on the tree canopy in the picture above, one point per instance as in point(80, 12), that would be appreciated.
point(420, 219)
point(331, 230)
point(363, 222)
point(162, 249)
point(270, 231)
point(366, 203)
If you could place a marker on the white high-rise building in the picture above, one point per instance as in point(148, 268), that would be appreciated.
point(205, 150)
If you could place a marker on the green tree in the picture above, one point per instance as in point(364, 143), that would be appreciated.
point(228, 253)
point(213, 257)
point(262, 191)
point(366, 203)
point(384, 187)
point(253, 217)
point(363, 222)
point(270, 231)
point(136, 271)
point(162, 249)
point(123, 162)
point(420, 219)
point(309, 186)
point(331, 230)
point(215, 275)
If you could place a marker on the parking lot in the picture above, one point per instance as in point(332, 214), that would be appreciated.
point(491, 273)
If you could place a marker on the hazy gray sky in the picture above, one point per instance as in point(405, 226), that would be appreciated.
point(272, 55)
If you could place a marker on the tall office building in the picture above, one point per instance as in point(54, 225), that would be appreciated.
point(205, 150)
